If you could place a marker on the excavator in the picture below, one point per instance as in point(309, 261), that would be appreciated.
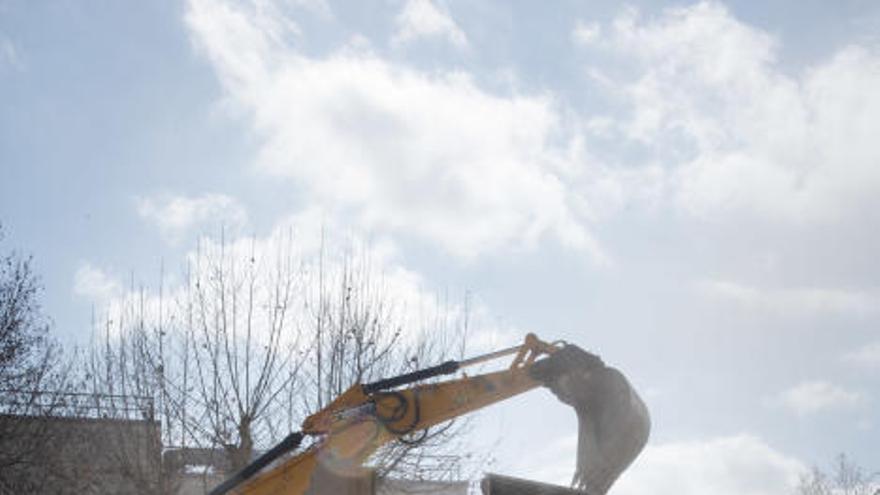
point(613, 420)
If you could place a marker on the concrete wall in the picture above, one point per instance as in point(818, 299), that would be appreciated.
point(81, 456)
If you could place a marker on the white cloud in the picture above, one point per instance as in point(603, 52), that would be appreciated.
point(401, 290)
point(319, 7)
point(307, 248)
point(398, 150)
point(552, 462)
point(177, 216)
point(735, 465)
point(9, 56)
point(95, 284)
point(586, 33)
point(867, 356)
point(816, 396)
point(742, 133)
point(794, 301)
point(116, 303)
point(424, 19)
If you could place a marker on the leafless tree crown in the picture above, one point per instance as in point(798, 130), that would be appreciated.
point(257, 336)
point(845, 478)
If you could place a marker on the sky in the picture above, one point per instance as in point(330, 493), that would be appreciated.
point(689, 189)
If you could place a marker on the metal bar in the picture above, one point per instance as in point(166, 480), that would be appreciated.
point(446, 368)
point(291, 442)
point(490, 356)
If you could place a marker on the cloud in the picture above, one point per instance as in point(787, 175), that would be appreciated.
point(586, 33)
point(428, 155)
point(733, 465)
point(311, 253)
point(867, 356)
point(95, 284)
point(177, 216)
point(318, 7)
point(794, 301)
point(816, 396)
point(311, 237)
point(435, 157)
point(739, 132)
point(423, 19)
point(737, 465)
point(9, 56)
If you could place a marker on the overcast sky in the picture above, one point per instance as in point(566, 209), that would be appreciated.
point(689, 189)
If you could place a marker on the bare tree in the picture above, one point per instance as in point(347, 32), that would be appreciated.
point(257, 336)
point(846, 478)
point(216, 354)
point(360, 333)
point(30, 369)
point(239, 344)
point(25, 350)
point(122, 386)
point(53, 439)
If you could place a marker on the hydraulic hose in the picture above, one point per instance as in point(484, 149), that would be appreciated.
point(289, 443)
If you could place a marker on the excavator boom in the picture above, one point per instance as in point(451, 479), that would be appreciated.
point(367, 416)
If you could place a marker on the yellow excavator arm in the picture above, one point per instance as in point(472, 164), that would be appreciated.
point(367, 416)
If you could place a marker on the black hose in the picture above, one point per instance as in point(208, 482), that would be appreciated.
point(446, 368)
point(399, 412)
point(289, 443)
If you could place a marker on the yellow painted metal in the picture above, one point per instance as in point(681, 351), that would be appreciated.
point(323, 420)
point(355, 425)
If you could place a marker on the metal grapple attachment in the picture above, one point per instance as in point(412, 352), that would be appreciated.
point(568, 360)
point(613, 422)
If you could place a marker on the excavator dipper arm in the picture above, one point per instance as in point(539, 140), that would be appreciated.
point(365, 417)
